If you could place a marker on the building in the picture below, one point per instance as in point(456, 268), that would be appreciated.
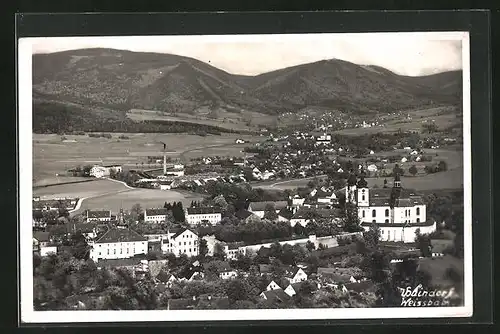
point(118, 244)
point(42, 244)
point(275, 296)
point(184, 241)
point(397, 211)
point(258, 208)
point(155, 216)
point(104, 171)
point(295, 275)
point(89, 230)
point(294, 288)
point(272, 286)
point(209, 215)
point(102, 216)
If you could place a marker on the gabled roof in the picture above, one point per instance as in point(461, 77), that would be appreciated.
point(285, 213)
point(243, 214)
point(261, 206)
point(276, 295)
point(203, 210)
point(181, 231)
point(99, 214)
point(120, 235)
point(291, 271)
point(164, 276)
point(41, 236)
point(156, 212)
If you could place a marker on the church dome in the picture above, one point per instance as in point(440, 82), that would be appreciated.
point(362, 183)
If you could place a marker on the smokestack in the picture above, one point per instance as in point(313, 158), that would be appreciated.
point(164, 159)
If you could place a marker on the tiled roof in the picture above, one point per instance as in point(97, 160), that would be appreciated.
point(261, 206)
point(277, 294)
point(243, 214)
point(119, 262)
point(120, 235)
point(99, 214)
point(179, 232)
point(291, 271)
point(285, 213)
point(42, 236)
point(203, 210)
point(156, 212)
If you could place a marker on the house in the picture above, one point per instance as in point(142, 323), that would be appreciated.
point(301, 217)
point(166, 185)
point(240, 141)
point(372, 168)
point(297, 201)
point(235, 249)
point(131, 264)
point(209, 215)
point(103, 171)
point(184, 241)
point(196, 275)
point(258, 208)
point(371, 152)
point(98, 216)
point(333, 275)
point(414, 152)
point(166, 278)
point(295, 275)
point(404, 159)
point(397, 211)
point(272, 286)
point(155, 216)
point(440, 246)
point(273, 296)
point(361, 286)
point(285, 215)
point(41, 239)
point(228, 274)
point(118, 244)
point(89, 230)
point(244, 215)
point(293, 289)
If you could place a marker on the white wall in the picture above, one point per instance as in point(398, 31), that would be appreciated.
point(44, 251)
point(118, 250)
point(212, 218)
point(406, 234)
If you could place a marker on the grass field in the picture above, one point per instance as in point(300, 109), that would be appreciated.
point(224, 119)
point(51, 156)
point(147, 198)
point(80, 190)
point(440, 116)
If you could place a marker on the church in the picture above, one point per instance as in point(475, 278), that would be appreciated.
point(399, 212)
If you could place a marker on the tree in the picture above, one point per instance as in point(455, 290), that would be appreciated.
point(203, 247)
point(136, 212)
point(442, 166)
point(351, 222)
point(310, 246)
point(178, 212)
point(413, 170)
point(236, 290)
point(423, 242)
point(385, 183)
point(397, 170)
point(219, 251)
point(270, 212)
point(372, 236)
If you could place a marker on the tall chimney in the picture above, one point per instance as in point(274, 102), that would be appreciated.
point(164, 159)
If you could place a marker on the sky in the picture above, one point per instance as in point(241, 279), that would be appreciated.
point(410, 54)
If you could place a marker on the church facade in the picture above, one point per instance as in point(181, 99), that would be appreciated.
point(397, 211)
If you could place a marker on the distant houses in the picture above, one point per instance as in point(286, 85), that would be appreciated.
point(118, 244)
point(200, 215)
point(155, 216)
point(104, 171)
point(98, 216)
point(259, 208)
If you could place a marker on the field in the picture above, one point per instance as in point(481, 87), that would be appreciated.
point(80, 190)
point(220, 118)
point(147, 198)
point(441, 116)
point(52, 156)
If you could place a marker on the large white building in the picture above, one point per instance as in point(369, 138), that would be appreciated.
point(397, 211)
point(98, 216)
point(118, 244)
point(196, 216)
point(155, 216)
point(183, 242)
point(259, 208)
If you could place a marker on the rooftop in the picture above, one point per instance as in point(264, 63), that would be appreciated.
point(261, 206)
point(99, 214)
point(203, 210)
point(120, 235)
point(41, 236)
point(156, 212)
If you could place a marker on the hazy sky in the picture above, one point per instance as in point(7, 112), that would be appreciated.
point(404, 53)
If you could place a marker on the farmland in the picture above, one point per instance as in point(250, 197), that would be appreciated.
point(147, 198)
point(80, 190)
point(52, 156)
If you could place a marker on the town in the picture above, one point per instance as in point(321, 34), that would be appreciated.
point(348, 233)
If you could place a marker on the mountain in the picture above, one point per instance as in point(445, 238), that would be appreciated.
point(122, 80)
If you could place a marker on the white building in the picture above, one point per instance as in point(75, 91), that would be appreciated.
point(103, 171)
point(118, 244)
point(210, 215)
point(98, 216)
point(183, 242)
point(155, 216)
point(295, 275)
point(397, 211)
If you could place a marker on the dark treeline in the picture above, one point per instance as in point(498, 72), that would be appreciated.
point(58, 118)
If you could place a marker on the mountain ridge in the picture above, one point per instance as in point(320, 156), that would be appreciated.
point(124, 80)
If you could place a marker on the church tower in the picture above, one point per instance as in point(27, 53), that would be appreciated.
point(363, 192)
point(397, 181)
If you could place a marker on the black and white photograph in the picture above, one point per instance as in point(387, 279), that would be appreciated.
point(222, 177)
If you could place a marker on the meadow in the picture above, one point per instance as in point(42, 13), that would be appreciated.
point(96, 187)
point(147, 198)
point(52, 155)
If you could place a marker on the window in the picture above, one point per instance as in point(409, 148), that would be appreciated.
point(108, 251)
point(114, 251)
point(373, 221)
point(387, 212)
point(387, 221)
point(374, 213)
point(418, 211)
point(180, 243)
point(99, 253)
point(363, 213)
point(388, 235)
point(382, 232)
point(190, 243)
point(194, 250)
point(418, 220)
point(127, 250)
point(189, 250)
point(184, 243)
point(121, 251)
point(363, 197)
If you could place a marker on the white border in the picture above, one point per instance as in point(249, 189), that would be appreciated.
point(28, 315)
